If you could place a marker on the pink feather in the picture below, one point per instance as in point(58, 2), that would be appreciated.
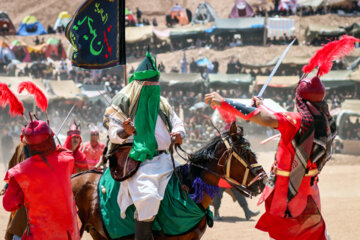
point(8, 97)
point(40, 98)
point(323, 58)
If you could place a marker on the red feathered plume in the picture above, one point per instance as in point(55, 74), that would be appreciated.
point(331, 51)
point(8, 97)
point(40, 98)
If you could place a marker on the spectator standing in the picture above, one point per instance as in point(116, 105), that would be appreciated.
point(138, 15)
point(193, 66)
point(215, 63)
point(184, 64)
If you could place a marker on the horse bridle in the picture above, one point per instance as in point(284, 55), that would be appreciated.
point(242, 187)
point(249, 168)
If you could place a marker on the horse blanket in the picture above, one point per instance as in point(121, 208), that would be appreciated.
point(178, 213)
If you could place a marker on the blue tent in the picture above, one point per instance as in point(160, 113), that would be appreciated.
point(30, 26)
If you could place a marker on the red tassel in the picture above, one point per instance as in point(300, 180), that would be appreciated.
point(40, 98)
point(225, 115)
point(8, 97)
point(331, 51)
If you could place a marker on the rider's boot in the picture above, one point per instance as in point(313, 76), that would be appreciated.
point(143, 230)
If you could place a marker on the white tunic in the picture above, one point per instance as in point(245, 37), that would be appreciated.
point(147, 187)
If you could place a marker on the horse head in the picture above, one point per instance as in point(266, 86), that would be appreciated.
point(229, 156)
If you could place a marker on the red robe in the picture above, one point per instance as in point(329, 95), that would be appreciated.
point(306, 221)
point(80, 158)
point(93, 154)
point(45, 191)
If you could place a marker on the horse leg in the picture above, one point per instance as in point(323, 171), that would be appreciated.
point(94, 234)
point(85, 192)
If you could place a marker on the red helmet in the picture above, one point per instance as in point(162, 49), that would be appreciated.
point(74, 129)
point(311, 89)
point(38, 137)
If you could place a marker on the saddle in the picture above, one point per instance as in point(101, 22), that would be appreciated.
point(121, 165)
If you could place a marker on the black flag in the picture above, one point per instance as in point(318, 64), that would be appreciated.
point(97, 34)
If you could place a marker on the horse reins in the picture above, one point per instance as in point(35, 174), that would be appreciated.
point(249, 167)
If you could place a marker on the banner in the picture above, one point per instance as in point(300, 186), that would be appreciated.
point(97, 34)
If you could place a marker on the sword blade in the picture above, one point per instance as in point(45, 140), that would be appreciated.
point(62, 124)
point(275, 68)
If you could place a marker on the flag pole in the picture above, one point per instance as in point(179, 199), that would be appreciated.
point(122, 44)
point(125, 78)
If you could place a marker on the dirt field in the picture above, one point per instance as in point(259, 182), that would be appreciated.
point(340, 192)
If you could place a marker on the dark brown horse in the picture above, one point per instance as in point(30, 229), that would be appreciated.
point(227, 155)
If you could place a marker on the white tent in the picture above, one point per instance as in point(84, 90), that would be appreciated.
point(62, 20)
point(204, 13)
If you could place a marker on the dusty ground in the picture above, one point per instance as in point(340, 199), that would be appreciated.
point(340, 192)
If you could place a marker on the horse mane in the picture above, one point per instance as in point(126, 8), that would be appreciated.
point(208, 152)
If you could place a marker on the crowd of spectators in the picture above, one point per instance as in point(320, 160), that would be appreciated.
point(351, 130)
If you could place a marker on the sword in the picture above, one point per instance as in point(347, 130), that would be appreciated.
point(275, 68)
point(62, 124)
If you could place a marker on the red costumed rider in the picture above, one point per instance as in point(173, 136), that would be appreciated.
point(73, 143)
point(291, 195)
point(42, 183)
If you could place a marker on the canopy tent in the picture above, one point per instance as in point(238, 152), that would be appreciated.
point(238, 25)
point(250, 29)
point(228, 81)
point(336, 79)
point(310, 3)
point(62, 20)
point(6, 25)
point(94, 92)
point(30, 26)
point(188, 31)
point(262, 5)
point(189, 81)
point(313, 31)
point(295, 61)
point(350, 107)
point(65, 89)
point(278, 81)
point(268, 102)
point(355, 75)
point(269, 64)
point(278, 27)
point(333, 79)
point(331, 3)
point(20, 50)
point(353, 30)
point(6, 55)
point(204, 13)
point(138, 34)
point(241, 9)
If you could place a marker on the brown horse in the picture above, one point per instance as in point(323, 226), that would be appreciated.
point(228, 155)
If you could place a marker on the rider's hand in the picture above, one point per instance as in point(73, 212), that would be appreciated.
point(177, 138)
point(213, 99)
point(256, 101)
point(129, 127)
